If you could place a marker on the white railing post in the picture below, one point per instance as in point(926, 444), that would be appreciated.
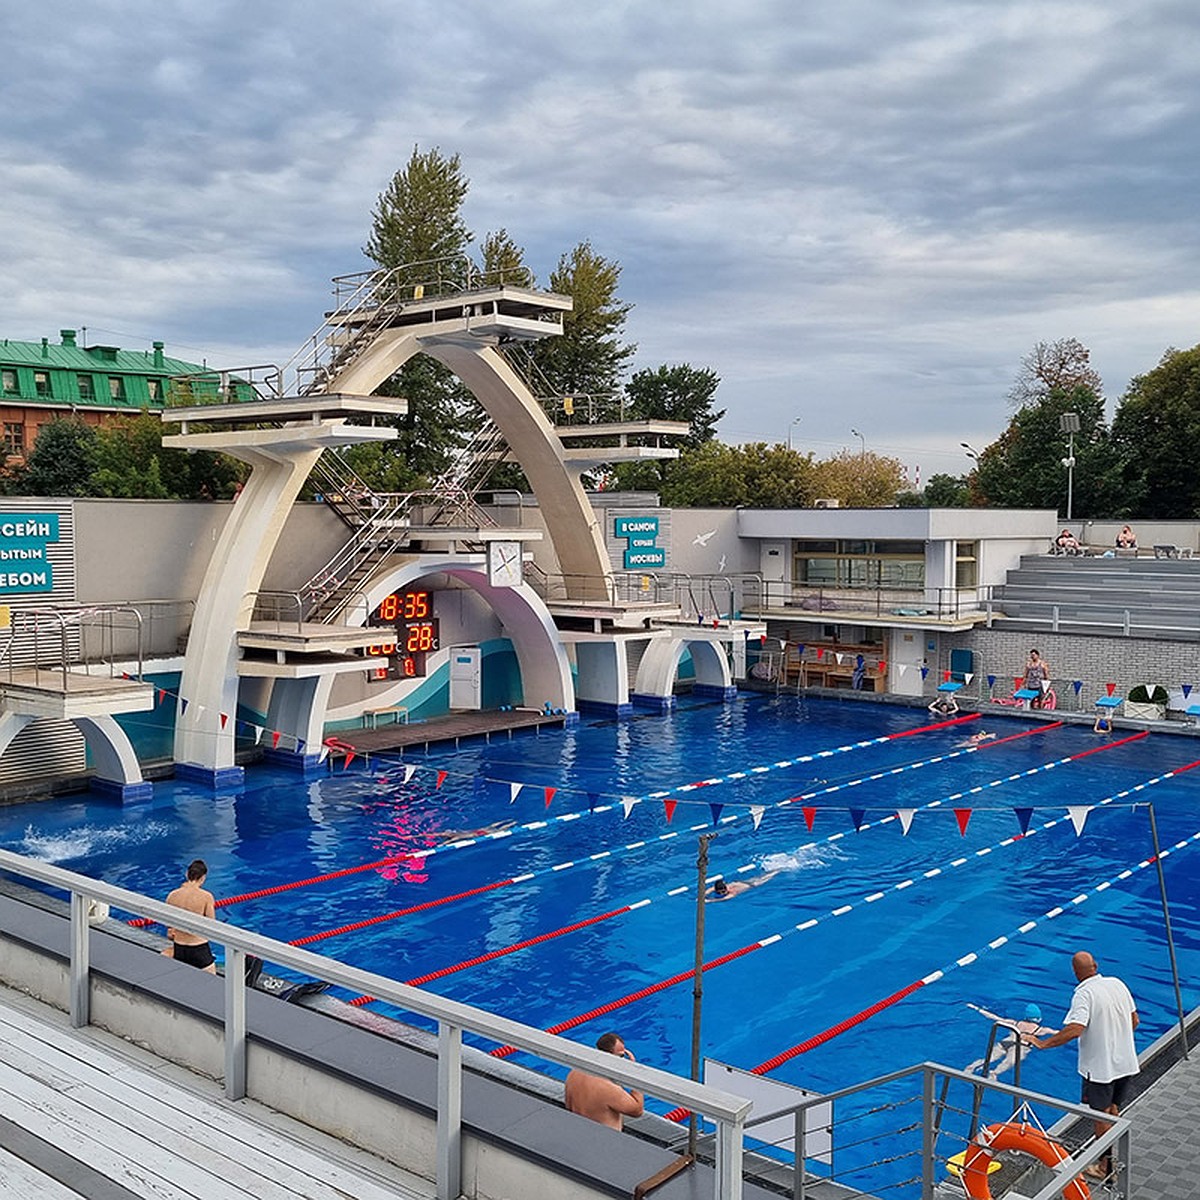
point(449, 1112)
point(728, 1175)
point(235, 1023)
point(80, 969)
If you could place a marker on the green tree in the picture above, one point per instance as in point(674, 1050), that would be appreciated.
point(714, 475)
point(418, 217)
point(1060, 366)
point(947, 491)
point(503, 261)
point(128, 460)
point(61, 462)
point(1156, 431)
point(1023, 468)
point(589, 358)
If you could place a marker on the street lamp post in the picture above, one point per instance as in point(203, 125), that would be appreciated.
point(863, 452)
point(795, 421)
point(1068, 423)
point(972, 453)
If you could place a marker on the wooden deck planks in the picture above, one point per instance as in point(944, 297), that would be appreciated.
point(157, 1140)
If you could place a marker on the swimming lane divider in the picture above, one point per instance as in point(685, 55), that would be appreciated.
point(903, 885)
point(671, 834)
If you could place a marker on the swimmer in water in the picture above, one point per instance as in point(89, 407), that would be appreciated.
point(724, 890)
point(977, 738)
point(455, 835)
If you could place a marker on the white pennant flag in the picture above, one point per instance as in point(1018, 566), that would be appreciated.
point(409, 772)
point(627, 803)
point(839, 658)
point(905, 815)
point(756, 813)
point(1078, 814)
point(514, 790)
point(969, 676)
point(903, 667)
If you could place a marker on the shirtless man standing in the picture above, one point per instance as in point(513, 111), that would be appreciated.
point(600, 1099)
point(190, 895)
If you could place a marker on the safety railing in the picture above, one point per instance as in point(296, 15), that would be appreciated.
point(289, 610)
point(915, 1132)
point(780, 597)
point(235, 385)
point(451, 1017)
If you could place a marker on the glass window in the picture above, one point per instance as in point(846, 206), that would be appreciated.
point(41, 383)
point(8, 382)
point(87, 390)
point(966, 566)
point(156, 388)
point(14, 437)
point(116, 387)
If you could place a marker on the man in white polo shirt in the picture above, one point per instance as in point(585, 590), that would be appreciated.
point(1103, 1017)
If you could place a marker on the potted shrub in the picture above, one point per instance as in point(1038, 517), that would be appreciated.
point(1146, 704)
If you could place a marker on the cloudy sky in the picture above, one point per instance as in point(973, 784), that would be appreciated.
point(860, 213)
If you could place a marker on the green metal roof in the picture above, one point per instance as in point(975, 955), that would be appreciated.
point(106, 360)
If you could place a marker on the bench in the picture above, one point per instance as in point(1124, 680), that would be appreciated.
point(1170, 550)
point(371, 715)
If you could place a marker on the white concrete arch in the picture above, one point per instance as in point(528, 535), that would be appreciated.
point(660, 664)
point(112, 752)
point(574, 530)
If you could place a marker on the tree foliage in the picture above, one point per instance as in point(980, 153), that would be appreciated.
point(1023, 468)
point(860, 480)
point(1061, 366)
point(679, 393)
point(1156, 431)
point(714, 475)
point(502, 261)
point(946, 491)
point(61, 462)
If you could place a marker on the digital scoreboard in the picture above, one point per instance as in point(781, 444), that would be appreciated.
point(410, 615)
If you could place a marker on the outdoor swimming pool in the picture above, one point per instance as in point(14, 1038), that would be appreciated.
point(878, 911)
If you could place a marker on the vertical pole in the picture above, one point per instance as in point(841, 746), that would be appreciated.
point(698, 971)
point(729, 1160)
point(80, 968)
point(1070, 473)
point(449, 1112)
point(799, 1180)
point(927, 1142)
point(1162, 891)
point(235, 1023)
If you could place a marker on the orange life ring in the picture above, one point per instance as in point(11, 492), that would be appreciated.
point(1028, 1139)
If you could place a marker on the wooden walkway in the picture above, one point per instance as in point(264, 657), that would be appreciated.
point(397, 735)
point(81, 1118)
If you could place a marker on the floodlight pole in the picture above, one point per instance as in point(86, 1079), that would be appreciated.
point(1162, 890)
point(698, 971)
point(1068, 423)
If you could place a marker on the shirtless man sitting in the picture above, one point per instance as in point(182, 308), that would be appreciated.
point(602, 1100)
point(190, 895)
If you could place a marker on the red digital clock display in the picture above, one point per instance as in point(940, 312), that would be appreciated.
point(410, 614)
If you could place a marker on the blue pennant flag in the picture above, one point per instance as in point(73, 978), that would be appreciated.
point(924, 672)
point(1023, 818)
point(858, 815)
point(1187, 690)
point(1077, 685)
point(715, 809)
point(991, 681)
point(593, 799)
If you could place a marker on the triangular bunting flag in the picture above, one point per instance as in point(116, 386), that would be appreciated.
point(857, 816)
point(756, 814)
point(441, 778)
point(513, 791)
point(627, 803)
point(275, 736)
point(1077, 684)
point(1023, 816)
point(809, 813)
point(593, 800)
point(1079, 815)
point(182, 706)
point(349, 759)
point(1187, 690)
point(1017, 682)
point(905, 816)
point(300, 744)
point(669, 807)
point(991, 681)
point(224, 720)
point(968, 677)
point(883, 666)
point(903, 668)
point(1110, 688)
point(945, 676)
point(800, 650)
point(839, 658)
point(820, 653)
point(201, 709)
point(924, 672)
point(409, 772)
point(548, 794)
point(962, 816)
point(762, 638)
point(715, 809)
point(162, 694)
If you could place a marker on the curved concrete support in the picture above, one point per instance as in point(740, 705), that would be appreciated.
point(656, 674)
point(574, 530)
point(117, 767)
point(297, 710)
point(226, 601)
point(10, 725)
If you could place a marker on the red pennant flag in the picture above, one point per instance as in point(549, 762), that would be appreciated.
point(809, 813)
point(669, 809)
point(945, 676)
point(224, 719)
point(820, 652)
point(962, 815)
point(162, 694)
point(1110, 688)
point(1017, 681)
point(275, 736)
point(441, 778)
point(126, 675)
point(882, 666)
point(762, 639)
point(349, 759)
point(549, 794)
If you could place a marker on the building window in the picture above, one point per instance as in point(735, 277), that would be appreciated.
point(966, 565)
point(41, 383)
point(857, 564)
point(116, 387)
point(155, 386)
point(87, 390)
point(8, 382)
point(14, 437)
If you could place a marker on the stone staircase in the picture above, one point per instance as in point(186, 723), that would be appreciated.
point(1133, 597)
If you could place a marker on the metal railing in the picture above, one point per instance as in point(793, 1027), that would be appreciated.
point(941, 603)
point(451, 1017)
point(892, 1135)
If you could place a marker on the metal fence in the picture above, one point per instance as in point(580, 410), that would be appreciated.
point(451, 1017)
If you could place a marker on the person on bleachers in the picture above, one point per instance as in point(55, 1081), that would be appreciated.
point(1126, 539)
point(1067, 542)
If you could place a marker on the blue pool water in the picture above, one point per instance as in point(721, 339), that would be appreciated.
point(279, 829)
